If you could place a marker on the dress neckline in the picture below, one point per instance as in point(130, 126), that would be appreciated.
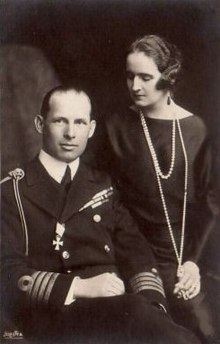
point(166, 119)
point(178, 110)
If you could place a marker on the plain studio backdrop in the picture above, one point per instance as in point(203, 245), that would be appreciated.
point(47, 42)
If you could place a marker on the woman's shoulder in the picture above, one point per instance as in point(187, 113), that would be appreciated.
point(181, 113)
point(191, 120)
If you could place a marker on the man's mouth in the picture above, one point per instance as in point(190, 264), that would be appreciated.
point(68, 146)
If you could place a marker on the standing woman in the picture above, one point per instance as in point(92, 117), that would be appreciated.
point(161, 158)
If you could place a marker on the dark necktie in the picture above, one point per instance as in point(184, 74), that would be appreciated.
point(66, 180)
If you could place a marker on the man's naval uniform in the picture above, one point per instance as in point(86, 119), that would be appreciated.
point(49, 237)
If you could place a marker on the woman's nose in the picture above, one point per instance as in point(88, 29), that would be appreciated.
point(136, 84)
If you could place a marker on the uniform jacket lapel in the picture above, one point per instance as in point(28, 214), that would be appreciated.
point(46, 193)
point(41, 189)
point(82, 189)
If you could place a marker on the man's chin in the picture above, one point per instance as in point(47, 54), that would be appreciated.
point(68, 158)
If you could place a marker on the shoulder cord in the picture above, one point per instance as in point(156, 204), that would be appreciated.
point(17, 175)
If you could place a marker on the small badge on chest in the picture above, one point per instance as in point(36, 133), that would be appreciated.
point(99, 198)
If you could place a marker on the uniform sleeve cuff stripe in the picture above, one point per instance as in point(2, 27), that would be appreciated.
point(147, 281)
point(34, 276)
point(42, 287)
point(148, 286)
point(145, 287)
point(147, 275)
point(159, 285)
point(35, 288)
point(50, 287)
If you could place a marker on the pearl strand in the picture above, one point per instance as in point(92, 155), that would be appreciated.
point(153, 153)
point(179, 255)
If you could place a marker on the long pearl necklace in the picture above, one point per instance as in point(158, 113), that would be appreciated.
point(160, 175)
point(153, 153)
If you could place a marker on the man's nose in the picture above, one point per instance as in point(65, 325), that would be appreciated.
point(136, 84)
point(70, 131)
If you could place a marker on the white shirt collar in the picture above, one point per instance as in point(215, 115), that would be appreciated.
point(56, 168)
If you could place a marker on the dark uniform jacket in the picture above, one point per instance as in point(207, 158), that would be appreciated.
point(44, 246)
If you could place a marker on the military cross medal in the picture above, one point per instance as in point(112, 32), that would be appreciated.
point(57, 243)
point(60, 229)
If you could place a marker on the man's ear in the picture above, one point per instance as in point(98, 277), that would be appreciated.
point(39, 124)
point(92, 128)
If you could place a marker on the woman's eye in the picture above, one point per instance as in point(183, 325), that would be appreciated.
point(146, 78)
point(130, 76)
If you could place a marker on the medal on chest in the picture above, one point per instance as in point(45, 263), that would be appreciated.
point(60, 229)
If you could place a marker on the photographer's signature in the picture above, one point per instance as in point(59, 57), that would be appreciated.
point(12, 335)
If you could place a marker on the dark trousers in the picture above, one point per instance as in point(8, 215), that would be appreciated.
point(126, 319)
point(194, 314)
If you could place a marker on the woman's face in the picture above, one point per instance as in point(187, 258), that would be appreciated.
point(142, 79)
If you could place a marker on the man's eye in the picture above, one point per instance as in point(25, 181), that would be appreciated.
point(80, 121)
point(58, 120)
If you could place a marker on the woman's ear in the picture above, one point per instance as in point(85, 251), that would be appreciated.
point(39, 124)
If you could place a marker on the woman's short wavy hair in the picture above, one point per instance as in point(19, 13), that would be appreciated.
point(166, 56)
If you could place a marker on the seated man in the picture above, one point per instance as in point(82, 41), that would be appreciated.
point(75, 269)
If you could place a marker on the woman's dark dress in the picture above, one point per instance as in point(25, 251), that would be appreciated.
point(133, 168)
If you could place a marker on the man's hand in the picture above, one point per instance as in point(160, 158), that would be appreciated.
point(104, 285)
point(189, 284)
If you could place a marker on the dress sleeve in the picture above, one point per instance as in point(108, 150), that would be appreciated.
point(205, 210)
point(22, 286)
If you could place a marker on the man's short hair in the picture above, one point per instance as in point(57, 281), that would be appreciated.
point(45, 107)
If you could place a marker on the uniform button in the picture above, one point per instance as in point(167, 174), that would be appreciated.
point(69, 271)
point(107, 248)
point(25, 282)
point(97, 218)
point(65, 254)
point(155, 272)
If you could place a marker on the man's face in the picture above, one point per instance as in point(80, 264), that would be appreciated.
point(67, 126)
point(142, 79)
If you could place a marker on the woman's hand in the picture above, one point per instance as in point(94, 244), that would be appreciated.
point(189, 284)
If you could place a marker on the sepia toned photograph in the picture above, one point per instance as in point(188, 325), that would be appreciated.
point(110, 172)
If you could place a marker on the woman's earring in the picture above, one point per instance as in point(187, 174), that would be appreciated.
point(168, 100)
